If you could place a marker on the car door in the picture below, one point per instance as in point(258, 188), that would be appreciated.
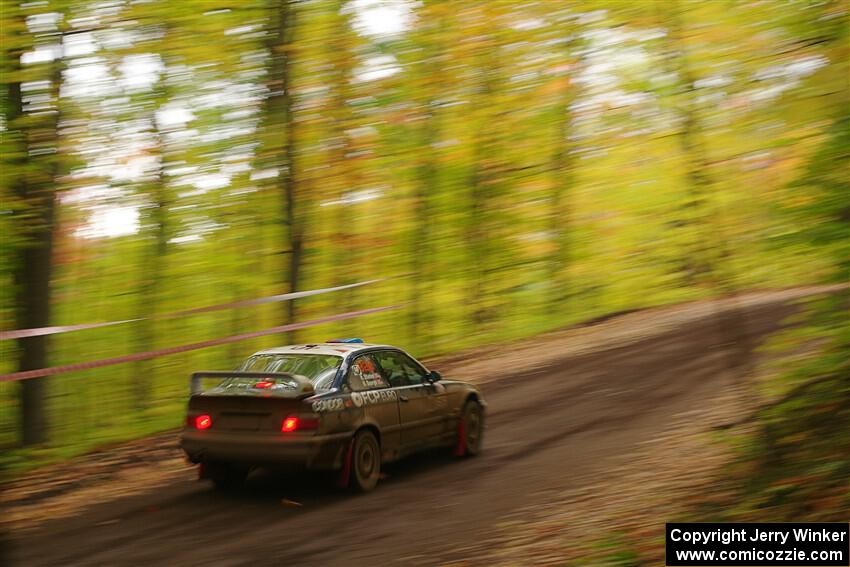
point(421, 405)
point(371, 394)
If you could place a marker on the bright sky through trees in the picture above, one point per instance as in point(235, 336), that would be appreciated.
point(378, 18)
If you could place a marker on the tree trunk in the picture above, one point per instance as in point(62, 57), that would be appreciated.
point(295, 234)
point(343, 167)
point(32, 281)
point(422, 249)
point(149, 290)
point(153, 266)
point(37, 169)
point(711, 247)
point(280, 128)
point(483, 183)
point(559, 216)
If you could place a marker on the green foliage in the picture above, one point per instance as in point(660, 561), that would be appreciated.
point(614, 550)
point(796, 464)
point(799, 462)
point(528, 165)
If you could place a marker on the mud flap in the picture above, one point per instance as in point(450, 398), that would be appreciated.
point(460, 448)
point(345, 473)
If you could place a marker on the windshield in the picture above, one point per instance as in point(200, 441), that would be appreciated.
point(320, 369)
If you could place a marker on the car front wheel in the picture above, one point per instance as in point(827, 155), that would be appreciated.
point(470, 430)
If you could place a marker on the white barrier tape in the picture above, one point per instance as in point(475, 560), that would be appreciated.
point(27, 374)
point(41, 331)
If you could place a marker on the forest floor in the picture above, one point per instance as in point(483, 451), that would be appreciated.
point(593, 431)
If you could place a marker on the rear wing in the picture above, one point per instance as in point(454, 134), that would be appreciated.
point(297, 386)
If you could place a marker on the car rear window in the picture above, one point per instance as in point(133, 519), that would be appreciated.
point(318, 368)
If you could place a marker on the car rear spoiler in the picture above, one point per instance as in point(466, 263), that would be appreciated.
point(303, 387)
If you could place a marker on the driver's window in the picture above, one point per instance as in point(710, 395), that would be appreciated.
point(415, 373)
point(365, 374)
point(393, 368)
point(399, 369)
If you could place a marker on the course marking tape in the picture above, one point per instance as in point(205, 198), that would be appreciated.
point(41, 331)
point(28, 374)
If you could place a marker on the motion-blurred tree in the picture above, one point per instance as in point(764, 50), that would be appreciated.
point(563, 159)
point(279, 142)
point(32, 163)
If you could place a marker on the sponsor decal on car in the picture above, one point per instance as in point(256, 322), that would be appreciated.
point(373, 397)
point(333, 404)
point(358, 399)
point(365, 370)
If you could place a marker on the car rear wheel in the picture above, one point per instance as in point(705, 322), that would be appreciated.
point(366, 461)
point(225, 476)
point(470, 430)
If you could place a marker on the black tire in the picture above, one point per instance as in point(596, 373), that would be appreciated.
point(365, 462)
point(473, 428)
point(225, 476)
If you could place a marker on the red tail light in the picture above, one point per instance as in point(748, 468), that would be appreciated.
point(289, 424)
point(203, 422)
point(293, 423)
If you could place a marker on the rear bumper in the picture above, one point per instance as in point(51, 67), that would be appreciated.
point(313, 451)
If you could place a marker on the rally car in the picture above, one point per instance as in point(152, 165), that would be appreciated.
point(342, 405)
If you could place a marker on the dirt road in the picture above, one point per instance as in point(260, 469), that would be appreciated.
point(549, 429)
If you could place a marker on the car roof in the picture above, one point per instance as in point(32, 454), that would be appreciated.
point(333, 349)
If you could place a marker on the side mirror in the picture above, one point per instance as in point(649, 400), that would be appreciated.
point(434, 376)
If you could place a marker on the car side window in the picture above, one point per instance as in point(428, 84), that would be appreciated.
point(393, 368)
point(323, 382)
point(400, 369)
point(365, 374)
point(415, 373)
